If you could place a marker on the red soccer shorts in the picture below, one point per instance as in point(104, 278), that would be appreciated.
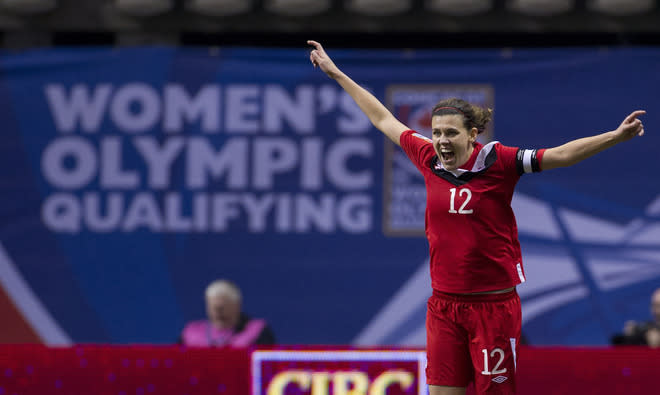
point(473, 338)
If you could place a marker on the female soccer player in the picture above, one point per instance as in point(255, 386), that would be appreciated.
point(473, 319)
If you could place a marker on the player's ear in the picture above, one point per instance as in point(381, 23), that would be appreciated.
point(473, 134)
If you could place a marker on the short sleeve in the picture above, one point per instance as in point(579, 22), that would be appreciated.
point(417, 147)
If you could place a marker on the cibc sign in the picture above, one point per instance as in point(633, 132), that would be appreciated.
point(351, 372)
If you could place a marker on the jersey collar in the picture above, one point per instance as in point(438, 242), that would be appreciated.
point(481, 159)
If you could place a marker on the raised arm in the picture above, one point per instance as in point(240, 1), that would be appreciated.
point(577, 150)
point(379, 116)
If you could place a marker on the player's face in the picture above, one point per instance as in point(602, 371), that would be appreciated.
point(451, 140)
point(223, 311)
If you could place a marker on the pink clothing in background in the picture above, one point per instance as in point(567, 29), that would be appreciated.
point(203, 334)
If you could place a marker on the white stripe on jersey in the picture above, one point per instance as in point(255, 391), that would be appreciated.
point(422, 137)
point(520, 273)
point(527, 160)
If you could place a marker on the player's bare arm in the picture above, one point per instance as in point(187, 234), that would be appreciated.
point(377, 113)
point(577, 150)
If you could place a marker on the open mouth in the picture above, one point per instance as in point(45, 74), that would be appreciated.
point(447, 156)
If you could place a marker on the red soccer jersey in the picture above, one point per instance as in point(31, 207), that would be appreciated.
point(470, 225)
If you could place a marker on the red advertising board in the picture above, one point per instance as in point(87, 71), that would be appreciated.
point(153, 370)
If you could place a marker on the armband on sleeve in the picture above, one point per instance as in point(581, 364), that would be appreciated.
point(528, 161)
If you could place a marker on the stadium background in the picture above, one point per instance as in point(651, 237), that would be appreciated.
point(322, 249)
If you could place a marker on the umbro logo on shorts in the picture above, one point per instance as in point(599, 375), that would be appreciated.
point(499, 379)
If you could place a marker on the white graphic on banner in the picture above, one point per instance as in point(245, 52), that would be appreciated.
point(226, 157)
point(25, 300)
point(554, 277)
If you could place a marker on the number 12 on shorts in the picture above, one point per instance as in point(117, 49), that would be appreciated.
point(496, 353)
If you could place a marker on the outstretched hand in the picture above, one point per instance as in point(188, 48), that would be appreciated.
point(320, 58)
point(631, 126)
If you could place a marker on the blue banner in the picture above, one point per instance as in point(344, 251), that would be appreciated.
point(133, 177)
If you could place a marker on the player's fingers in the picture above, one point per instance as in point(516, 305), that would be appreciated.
point(634, 127)
point(633, 115)
point(318, 47)
point(315, 44)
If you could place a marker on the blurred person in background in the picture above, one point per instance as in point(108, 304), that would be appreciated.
point(474, 317)
point(642, 333)
point(227, 324)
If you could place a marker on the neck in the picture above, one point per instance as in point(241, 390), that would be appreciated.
point(220, 325)
point(470, 150)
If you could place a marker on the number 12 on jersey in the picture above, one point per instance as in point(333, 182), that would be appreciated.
point(452, 201)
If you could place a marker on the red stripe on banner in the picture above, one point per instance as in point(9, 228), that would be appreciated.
point(28, 369)
point(14, 327)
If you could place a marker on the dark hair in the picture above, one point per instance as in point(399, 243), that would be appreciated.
point(473, 116)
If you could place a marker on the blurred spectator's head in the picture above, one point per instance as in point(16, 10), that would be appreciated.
point(223, 304)
point(655, 306)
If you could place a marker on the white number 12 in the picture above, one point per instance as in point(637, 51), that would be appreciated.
point(461, 210)
point(496, 369)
